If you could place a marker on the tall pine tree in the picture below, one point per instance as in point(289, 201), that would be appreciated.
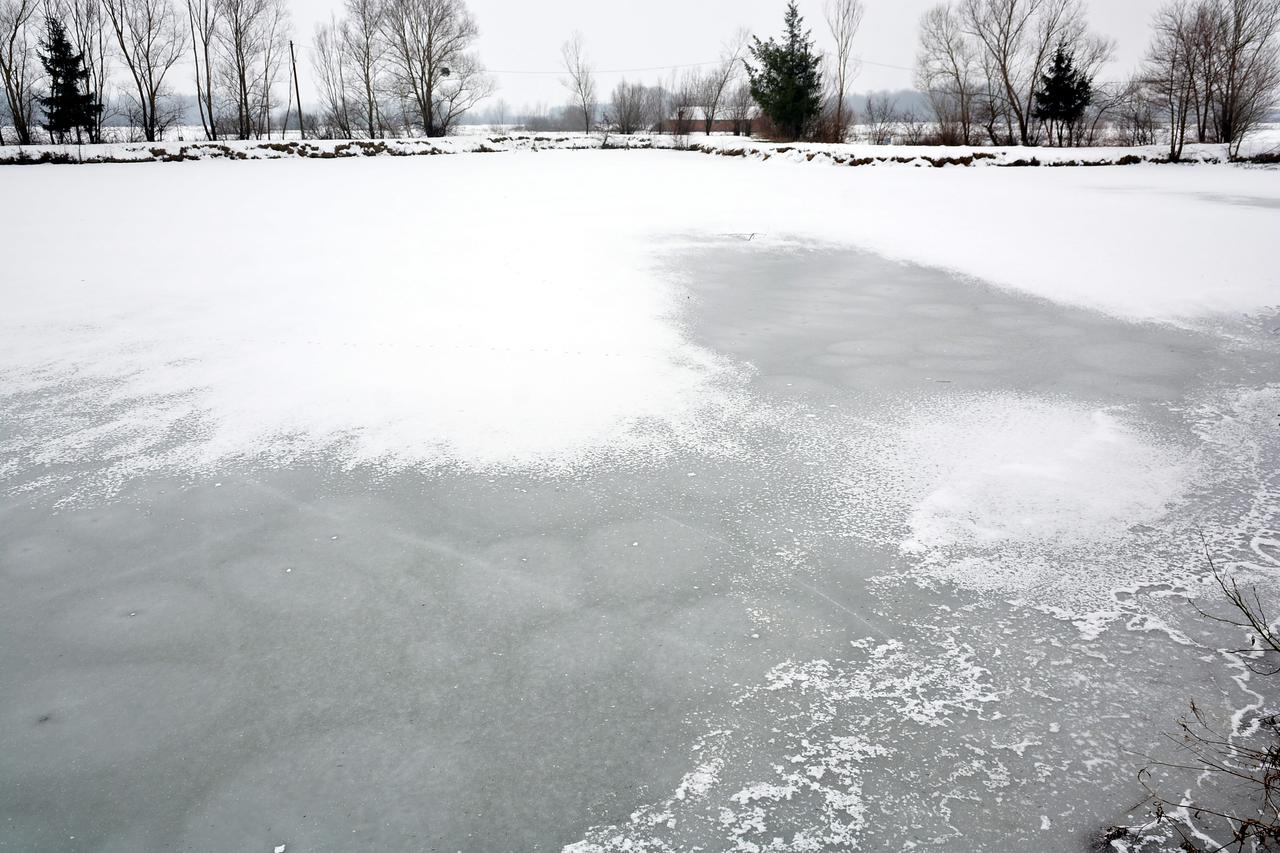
point(1065, 93)
point(68, 106)
point(787, 84)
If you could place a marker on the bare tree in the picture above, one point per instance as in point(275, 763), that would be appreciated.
point(252, 46)
point(366, 50)
point(1216, 64)
point(240, 42)
point(150, 41)
point(1170, 71)
point(427, 41)
point(580, 79)
point(653, 107)
point(1018, 37)
point(626, 113)
point(1206, 31)
point(659, 104)
point(912, 127)
point(844, 19)
point(991, 109)
point(17, 70)
point(682, 101)
point(329, 59)
point(1003, 28)
point(742, 108)
point(536, 118)
point(1109, 100)
point(714, 86)
point(948, 71)
point(466, 86)
point(1137, 116)
point(203, 16)
point(881, 118)
point(1248, 67)
point(273, 61)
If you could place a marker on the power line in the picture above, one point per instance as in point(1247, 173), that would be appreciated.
point(883, 64)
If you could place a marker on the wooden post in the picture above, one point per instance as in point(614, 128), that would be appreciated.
point(302, 127)
point(288, 110)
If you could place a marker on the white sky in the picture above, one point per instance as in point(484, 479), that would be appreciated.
point(522, 36)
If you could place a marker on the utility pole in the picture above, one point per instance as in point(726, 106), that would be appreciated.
point(302, 128)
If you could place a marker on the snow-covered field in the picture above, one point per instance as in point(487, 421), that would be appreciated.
point(623, 500)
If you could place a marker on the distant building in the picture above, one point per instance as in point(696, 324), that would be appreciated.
point(693, 120)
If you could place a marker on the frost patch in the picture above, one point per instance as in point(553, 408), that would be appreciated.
point(1017, 470)
point(794, 759)
point(1042, 502)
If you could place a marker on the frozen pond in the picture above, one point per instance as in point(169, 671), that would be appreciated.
point(905, 564)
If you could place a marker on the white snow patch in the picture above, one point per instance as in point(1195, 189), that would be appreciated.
point(431, 330)
point(698, 782)
point(492, 311)
point(1016, 470)
point(1046, 503)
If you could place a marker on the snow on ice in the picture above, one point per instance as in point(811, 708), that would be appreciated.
point(494, 311)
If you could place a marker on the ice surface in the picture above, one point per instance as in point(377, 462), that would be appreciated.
point(375, 507)
point(488, 312)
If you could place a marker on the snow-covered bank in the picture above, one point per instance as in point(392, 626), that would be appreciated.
point(1263, 151)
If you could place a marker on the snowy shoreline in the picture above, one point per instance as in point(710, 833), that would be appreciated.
point(728, 146)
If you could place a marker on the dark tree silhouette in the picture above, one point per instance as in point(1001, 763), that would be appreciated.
point(68, 106)
point(787, 79)
point(1065, 93)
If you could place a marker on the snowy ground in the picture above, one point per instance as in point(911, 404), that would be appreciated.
point(620, 500)
point(1263, 146)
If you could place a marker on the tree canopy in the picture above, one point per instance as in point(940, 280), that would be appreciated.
point(786, 79)
point(1065, 93)
point(68, 106)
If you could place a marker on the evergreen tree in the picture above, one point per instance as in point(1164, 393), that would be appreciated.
point(1065, 93)
point(66, 107)
point(788, 82)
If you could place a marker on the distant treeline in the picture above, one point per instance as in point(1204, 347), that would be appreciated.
point(999, 72)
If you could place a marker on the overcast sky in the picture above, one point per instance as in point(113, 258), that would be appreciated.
point(522, 36)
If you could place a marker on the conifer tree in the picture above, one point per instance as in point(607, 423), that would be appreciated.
point(1065, 93)
point(787, 84)
point(68, 106)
